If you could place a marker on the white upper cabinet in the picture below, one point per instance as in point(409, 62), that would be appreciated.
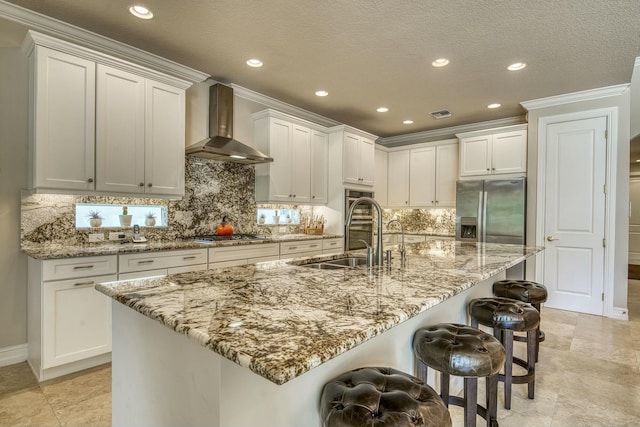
point(494, 151)
point(423, 177)
point(298, 173)
point(398, 179)
point(381, 177)
point(319, 166)
point(354, 151)
point(103, 124)
point(62, 133)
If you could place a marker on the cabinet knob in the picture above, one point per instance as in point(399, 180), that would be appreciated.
point(149, 185)
point(493, 169)
point(313, 197)
point(432, 202)
point(294, 195)
point(290, 195)
point(488, 169)
point(436, 202)
point(141, 184)
point(90, 180)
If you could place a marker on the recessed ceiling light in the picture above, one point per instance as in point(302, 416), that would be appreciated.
point(638, 161)
point(255, 63)
point(140, 12)
point(408, 122)
point(322, 93)
point(382, 109)
point(440, 62)
point(516, 66)
point(496, 105)
point(237, 156)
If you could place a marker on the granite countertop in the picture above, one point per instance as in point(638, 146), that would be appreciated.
point(281, 319)
point(418, 233)
point(61, 250)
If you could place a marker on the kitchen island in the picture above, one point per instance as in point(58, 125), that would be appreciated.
point(255, 344)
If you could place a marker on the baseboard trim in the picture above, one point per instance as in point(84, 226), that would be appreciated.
point(620, 313)
point(13, 355)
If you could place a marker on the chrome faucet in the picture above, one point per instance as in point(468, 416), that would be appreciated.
point(403, 252)
point(378, 258)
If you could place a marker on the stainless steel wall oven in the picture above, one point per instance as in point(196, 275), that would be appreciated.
point(361, 227)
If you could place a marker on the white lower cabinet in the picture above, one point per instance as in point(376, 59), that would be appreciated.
point(69, 322)
point(148, 264)
point(300, 249)
point(333, 246)
point(231, 256)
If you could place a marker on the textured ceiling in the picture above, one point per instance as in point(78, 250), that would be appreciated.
point(370, 53)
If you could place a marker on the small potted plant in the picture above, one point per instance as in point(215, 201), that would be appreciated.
point(95, 220)
point(125, 218)
point(150, 219)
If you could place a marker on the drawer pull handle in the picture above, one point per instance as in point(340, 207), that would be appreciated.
point(313, 246)
point(82, 267)
point(149, 261)
point(293, 247)
point(333, 243)
point(90, 282)
point(188, 257)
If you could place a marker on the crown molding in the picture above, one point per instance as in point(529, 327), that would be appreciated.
point(448, 133)
point(79, 36)
point(568, 98)
point(283, 107)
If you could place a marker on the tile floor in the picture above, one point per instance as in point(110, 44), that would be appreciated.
point(588, 375)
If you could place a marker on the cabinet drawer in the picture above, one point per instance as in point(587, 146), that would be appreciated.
point(412, 239)
point(158, 260)
point(59, 269)
point(232, 253)
point(295, 248)
point(186, 269)
point(333, 245)
point(142, 274)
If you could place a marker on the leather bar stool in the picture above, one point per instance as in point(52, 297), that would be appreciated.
point(381, 397)
point(525, 291)
point(463, 351)
point(505, 316)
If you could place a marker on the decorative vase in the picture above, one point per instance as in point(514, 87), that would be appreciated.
point(150, 222)
point(95, 222)
point(125, 220)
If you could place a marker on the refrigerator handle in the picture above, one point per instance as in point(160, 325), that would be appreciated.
point(484, 216)
point(480, 217)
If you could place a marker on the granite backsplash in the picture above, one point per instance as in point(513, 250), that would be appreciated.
point(213, 189)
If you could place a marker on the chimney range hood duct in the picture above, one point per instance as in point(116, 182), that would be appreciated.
point(220, 145)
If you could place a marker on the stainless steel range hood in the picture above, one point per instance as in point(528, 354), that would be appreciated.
point(220, 145)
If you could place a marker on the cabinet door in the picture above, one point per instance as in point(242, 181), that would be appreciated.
point(398, 179)
point(381, 177)
point(422, 182)
point(280, 169)
point(474, 156)
point(64, 123)
point(76, 320)
point(300, 180)
point(446, 174)
point(509, 152)
point(367, 161)
point(164, 139)
point(319, 166)
point(120, 119)
point(351, 159)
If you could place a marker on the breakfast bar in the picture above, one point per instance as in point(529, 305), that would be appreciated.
point(253, 345)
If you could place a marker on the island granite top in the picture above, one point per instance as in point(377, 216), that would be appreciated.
point(281, 319)
point(58, 250)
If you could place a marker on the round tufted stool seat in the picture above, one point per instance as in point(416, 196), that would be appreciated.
point(525, 291)
point(381, 397)
point(505, 316)
point(460, 350)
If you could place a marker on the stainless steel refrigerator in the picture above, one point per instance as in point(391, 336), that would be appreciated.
point(492, 211)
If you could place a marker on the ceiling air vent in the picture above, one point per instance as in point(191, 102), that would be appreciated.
point(442, 114)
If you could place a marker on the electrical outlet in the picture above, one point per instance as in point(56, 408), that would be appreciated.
point(96, 237)
point(117, 236)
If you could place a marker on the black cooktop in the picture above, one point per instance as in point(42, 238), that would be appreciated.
point(215, 238)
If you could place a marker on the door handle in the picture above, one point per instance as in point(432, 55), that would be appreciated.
point(551, 239)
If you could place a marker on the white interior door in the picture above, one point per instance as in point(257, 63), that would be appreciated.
point(574, 217)
point(634, 221)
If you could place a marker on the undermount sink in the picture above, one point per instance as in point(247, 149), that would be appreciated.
point(335, 264)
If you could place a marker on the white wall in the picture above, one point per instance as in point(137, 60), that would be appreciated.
point(635, 100)
point(621, 163)
point(13, 177)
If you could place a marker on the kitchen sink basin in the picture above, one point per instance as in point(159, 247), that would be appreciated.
point(348, 262)
point(335, 264)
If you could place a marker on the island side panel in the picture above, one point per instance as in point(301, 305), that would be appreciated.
point(161, 378)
